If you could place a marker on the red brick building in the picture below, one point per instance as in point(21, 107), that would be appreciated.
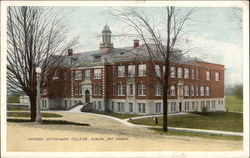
point(124, 80)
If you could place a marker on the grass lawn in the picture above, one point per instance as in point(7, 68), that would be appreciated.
point(223, 121)
point(234, 104)
point(209, 136)
point(27, 114)
point(121, 116)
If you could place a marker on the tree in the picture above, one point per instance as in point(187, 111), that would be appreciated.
point(238, 91)
point(36, 36)
point(158, 46)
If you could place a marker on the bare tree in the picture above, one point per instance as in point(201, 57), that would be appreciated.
point(36, 36)
point(159, 47)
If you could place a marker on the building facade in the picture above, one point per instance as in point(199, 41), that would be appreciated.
point(125, 80)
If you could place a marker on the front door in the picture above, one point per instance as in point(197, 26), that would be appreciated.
point(87, 96)
point(180, 106)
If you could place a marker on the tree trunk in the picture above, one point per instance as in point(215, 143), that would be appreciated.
point(165, 112)
point(32, 108)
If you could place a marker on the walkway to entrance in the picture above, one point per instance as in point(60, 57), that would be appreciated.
point(189, 130)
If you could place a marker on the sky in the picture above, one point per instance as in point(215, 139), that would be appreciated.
point(213, 31)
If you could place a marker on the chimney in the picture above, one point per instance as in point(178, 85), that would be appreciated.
point(70, 52)
point(136, 43)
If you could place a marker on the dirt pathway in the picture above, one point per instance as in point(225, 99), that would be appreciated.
point(103, 135)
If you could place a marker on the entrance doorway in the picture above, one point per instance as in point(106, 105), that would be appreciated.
point(87, 96)
point(180, 106)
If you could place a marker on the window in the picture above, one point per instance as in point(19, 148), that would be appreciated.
point(80, 89)
point(217, 76)
point(113, 106)
point(131, 89)
point(186, 107)
point(142, 70)
point(180, 72)
point(44, 104)
point(131, 70)
point(120, 107)
point(197, 90)
point(207, 91)
point(192, 90)
point(186, 73)
point(78, 75)
point(66, 75)
point(143, 108)
point(208, 104)
point(208, 75)
point(186, 90)
point(121, 89)
point(121, 71)
point(213, 104)
point(97, 73)
point(202, 90)
point(131, 107)
point(173, 72)
point(55, 75)
point(97, 90)
point(157, 71)
point(99, 105)
point(142, 91)
point(172, 91)
point(158, 89)
point(76, 89)
point(193, 104)
point(139, 107)
point(173, 106)
point(87, 74)
point(202, 104)
point(157, 107)
point(197, 74)
point(65, 103)
point(192, 74)
point(94, 105)
point(163, 70)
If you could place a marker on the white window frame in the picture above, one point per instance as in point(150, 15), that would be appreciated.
point(130, 89)
point(121, 71)
point(201, 90)
point(97, 73)
point(172, 91)
point(207, 91)
point(173, 72)
point(158, 89)
point(180, 72)
point(157, 71)
point(197, 90)
point(192, 90)
point(78, 75)
point(157, 107)
point(80, 89)
point(142, 89)
point(131, 107)
point(208, 75)
point(186, 73)
point(131, 70)
point(192, 74)
point(142, 69)
point(186, 90)
point(87, 74)
point(121, 89)
point(217, 76)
